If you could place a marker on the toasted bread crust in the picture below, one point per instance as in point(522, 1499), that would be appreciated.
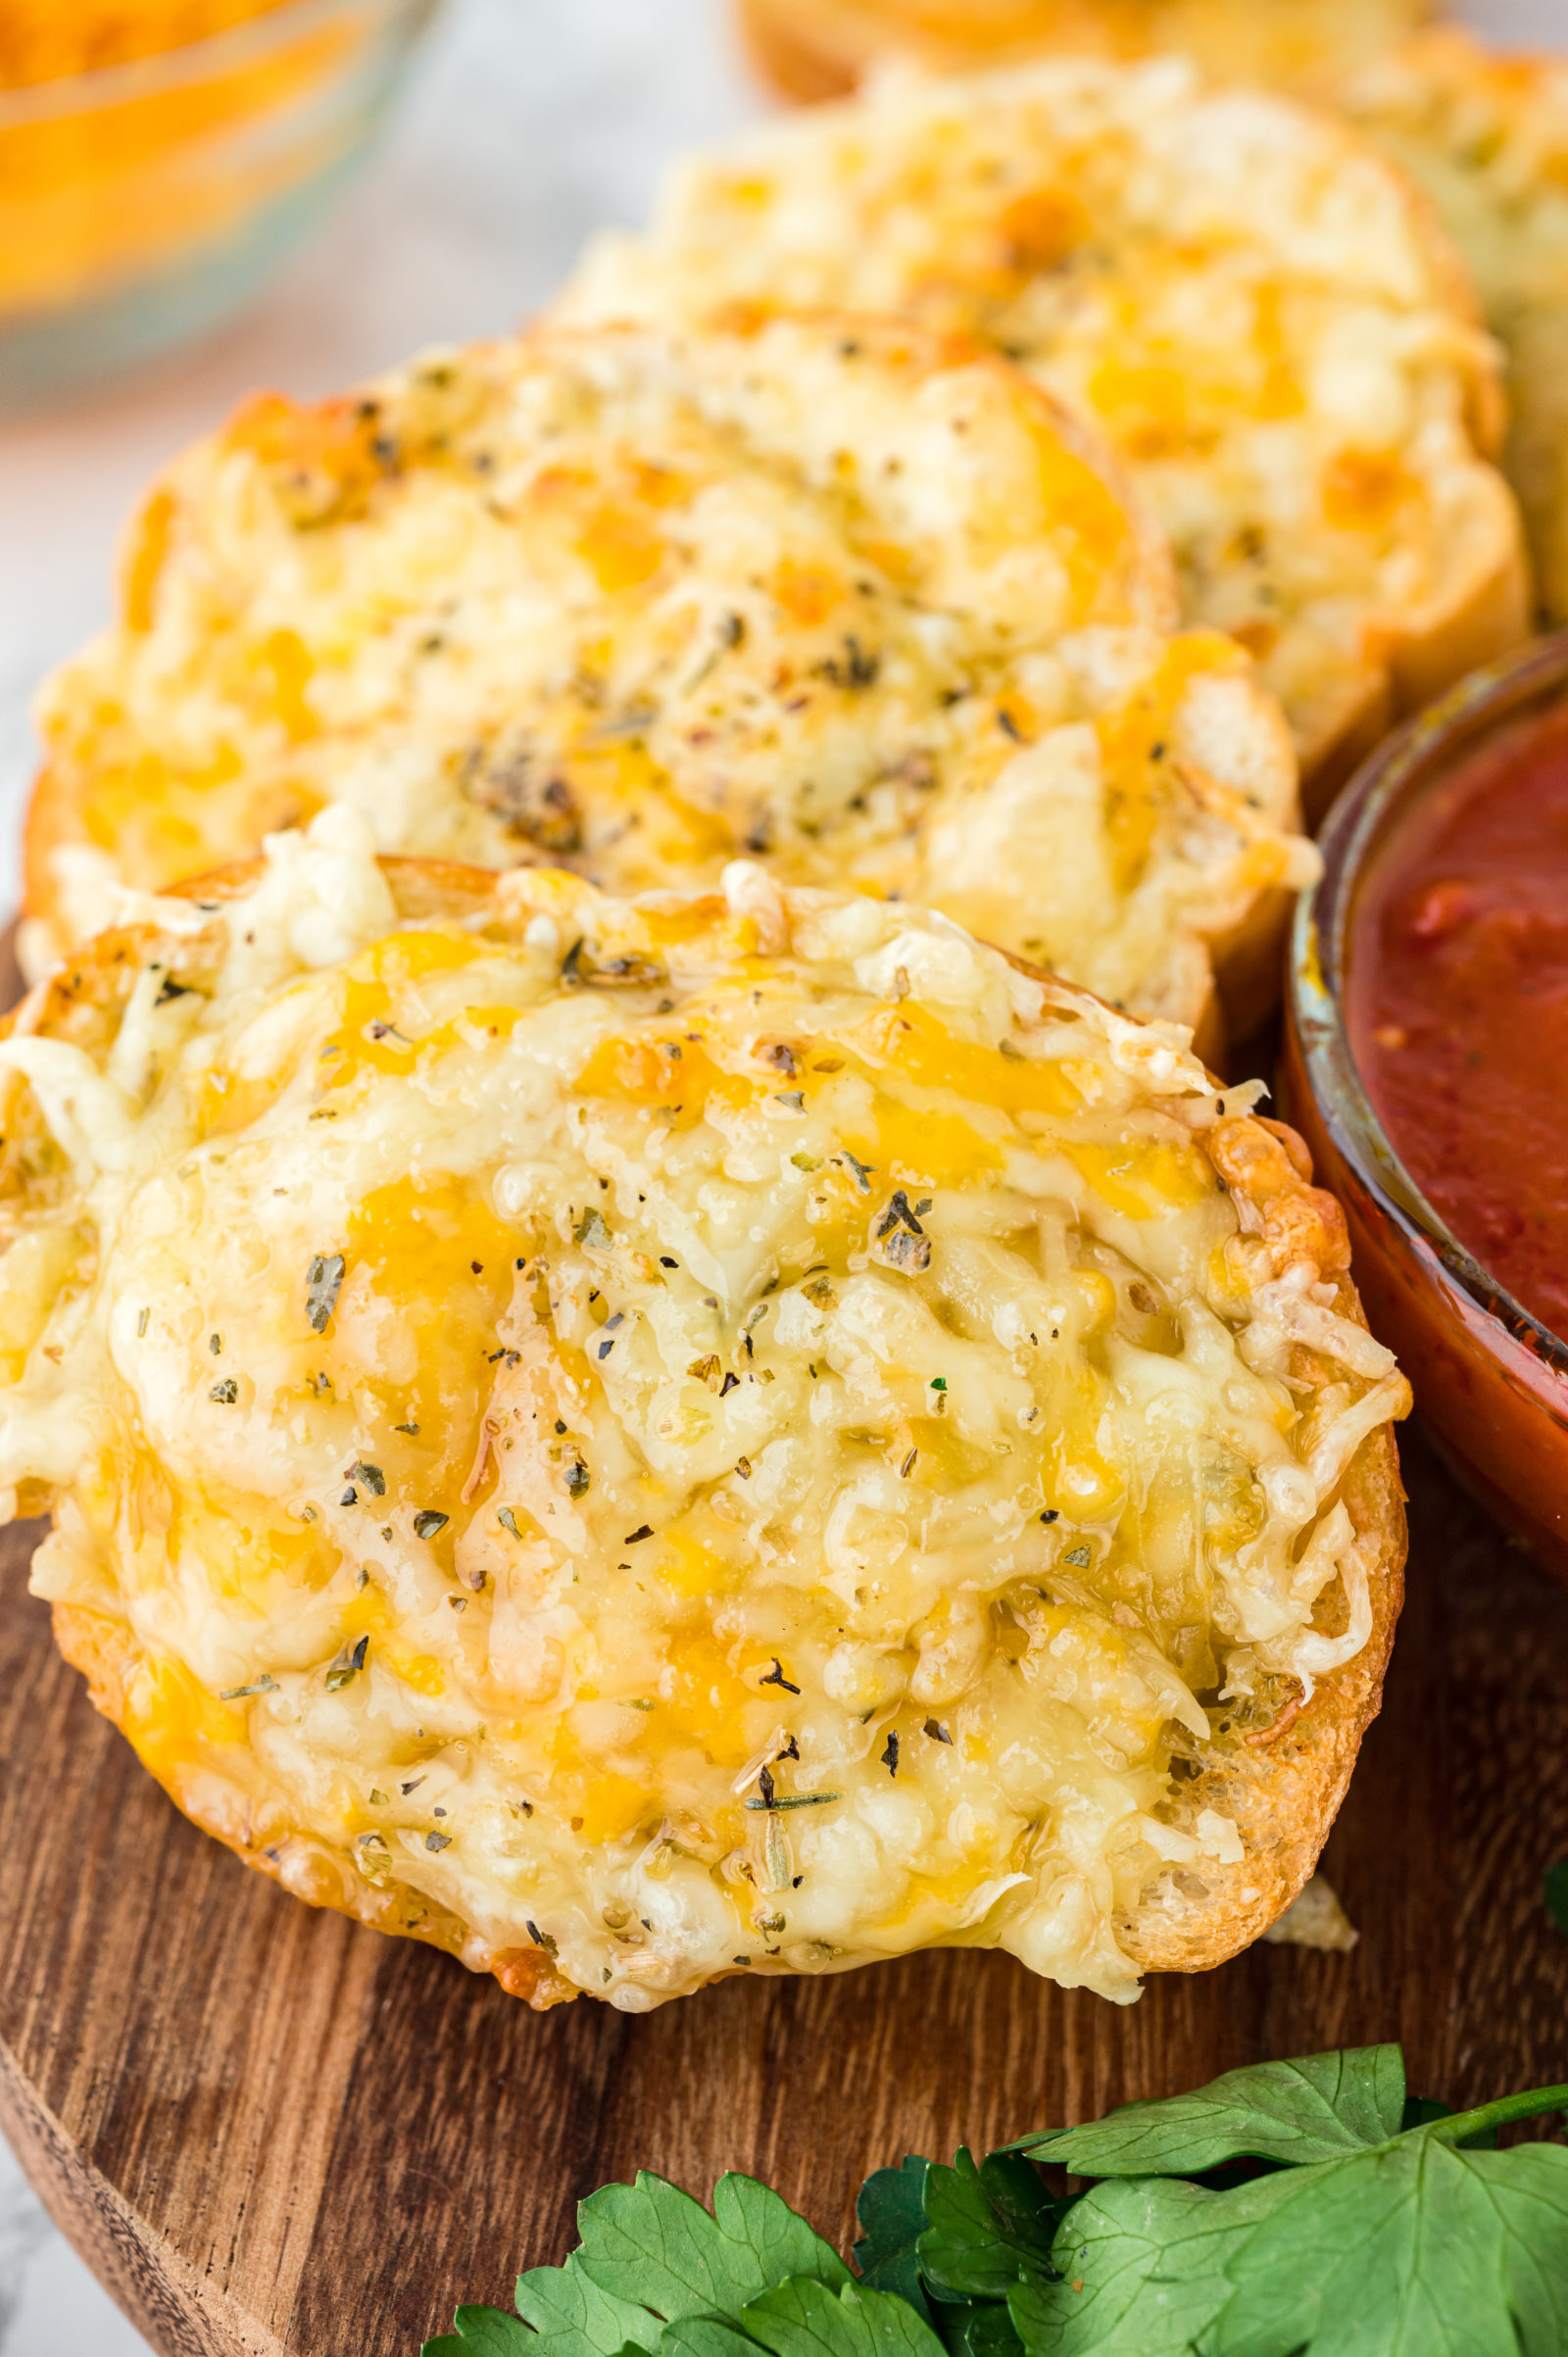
point(1282, 1785)
point(817, 49)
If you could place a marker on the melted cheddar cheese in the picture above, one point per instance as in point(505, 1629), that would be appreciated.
point(854, 601)
point(663, 1439)
point(1251, 306)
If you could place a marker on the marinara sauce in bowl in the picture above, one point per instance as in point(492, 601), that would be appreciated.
point(1427, 1062)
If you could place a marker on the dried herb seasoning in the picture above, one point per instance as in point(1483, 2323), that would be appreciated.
point(322, 1285)
point(348, 1666)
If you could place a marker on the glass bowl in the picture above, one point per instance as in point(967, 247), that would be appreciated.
point(141, 203)
point(1490, 1380)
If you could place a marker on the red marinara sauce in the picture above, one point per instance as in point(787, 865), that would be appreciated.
point(1457, 1006)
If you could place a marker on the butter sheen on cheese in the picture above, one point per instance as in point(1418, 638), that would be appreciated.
point(639, 1441)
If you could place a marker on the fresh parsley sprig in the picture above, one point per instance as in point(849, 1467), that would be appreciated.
point(1373, 2235)
point(1294, 2209)
point(655, 2271)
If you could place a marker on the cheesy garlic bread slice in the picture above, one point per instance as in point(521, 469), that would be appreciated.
point(639, 1441)
point(849, 597)
point(1256, 308)
point(1486, 137)
point(816, 49)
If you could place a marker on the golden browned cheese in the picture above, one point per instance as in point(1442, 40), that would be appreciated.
point(821, 48)
point(847, 597)
point(639, 1441)
point(1259, 312)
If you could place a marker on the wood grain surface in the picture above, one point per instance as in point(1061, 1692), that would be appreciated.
point(267, 2129)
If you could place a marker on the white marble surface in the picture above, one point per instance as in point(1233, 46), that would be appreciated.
point(531, 121)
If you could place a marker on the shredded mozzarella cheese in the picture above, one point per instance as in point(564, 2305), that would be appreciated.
point(657, 1439)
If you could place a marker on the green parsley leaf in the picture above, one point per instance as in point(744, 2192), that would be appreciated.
point(1143, 2271)
point(1313, 2109)
point(808, 2319)
point(989, 2224)
point(894, 2209)
point(988, 2330)
point(1557, 1895)
point(801, 2318)
point(651, 2243)
point(891, 2210)
point(570, 2316)
point(650, 2255)
point(1411, 2248)
point(1382, 2226)
point(1421, 2110)
point(481, 2333)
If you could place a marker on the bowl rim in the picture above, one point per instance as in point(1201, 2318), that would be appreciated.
point(233, 46)
point(1403, 765)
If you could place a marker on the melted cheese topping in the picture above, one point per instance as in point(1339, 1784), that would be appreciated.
point(1249, 303)
point(861, 604)
point(1486, 137)
point(713, 1435)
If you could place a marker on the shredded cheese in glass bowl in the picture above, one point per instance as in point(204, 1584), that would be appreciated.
point(159, 156)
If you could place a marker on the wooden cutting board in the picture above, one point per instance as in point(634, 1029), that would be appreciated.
point(268, 2129)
